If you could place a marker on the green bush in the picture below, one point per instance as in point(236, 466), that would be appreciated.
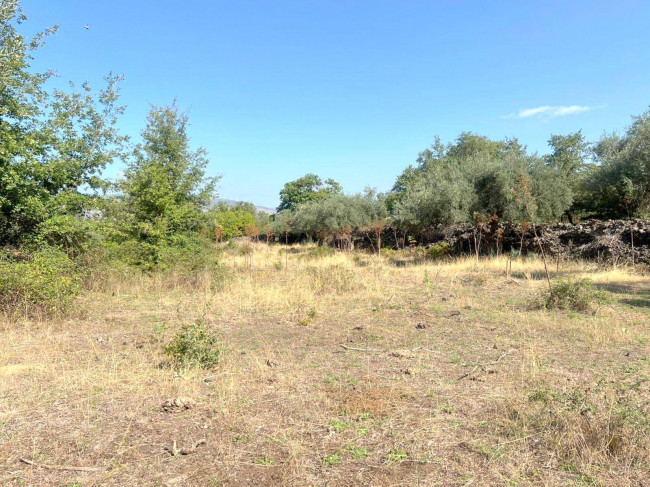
point(194, 346)
point(72, 234)
point(233, 223)
point(439, 251)
point(576, 295)
point(188, 254)
point(45, 281)
point(389, 253)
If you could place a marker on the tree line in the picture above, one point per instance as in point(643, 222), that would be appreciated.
point(55, 145)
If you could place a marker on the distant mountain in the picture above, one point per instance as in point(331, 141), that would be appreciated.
point(261, 209)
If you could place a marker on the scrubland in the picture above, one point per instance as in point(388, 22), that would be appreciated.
point(333, 369)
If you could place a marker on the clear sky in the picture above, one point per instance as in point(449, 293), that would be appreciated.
point(354, 89)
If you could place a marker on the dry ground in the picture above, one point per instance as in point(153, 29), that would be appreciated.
point(341, 370)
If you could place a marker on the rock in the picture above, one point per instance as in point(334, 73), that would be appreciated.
point(606, 241)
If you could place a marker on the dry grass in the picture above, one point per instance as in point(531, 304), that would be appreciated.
point(451, 376)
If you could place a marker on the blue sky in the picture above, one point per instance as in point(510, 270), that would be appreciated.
point(353, 90)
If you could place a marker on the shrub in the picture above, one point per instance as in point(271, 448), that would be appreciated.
point(439, 251)
point(194, 346)
point(188, 254)
point(69, 233)
point(576, 295)
point(45, 281)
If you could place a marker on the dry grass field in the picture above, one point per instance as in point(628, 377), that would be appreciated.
point(343, 369)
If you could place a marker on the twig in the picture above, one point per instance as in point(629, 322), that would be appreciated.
point(362, 349)
point(482, 366)
point(60, 467)
point(174, 450)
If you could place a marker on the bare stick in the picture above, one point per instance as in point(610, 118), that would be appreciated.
point(60, 467)
point(362, 349)
point(632, 240)
point(482, 366)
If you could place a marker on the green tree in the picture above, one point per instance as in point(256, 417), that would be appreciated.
point(474, 179)
point(233, 222)
point(165, 181)
point(53, 145)
point(339, 218)
point(307, 188)
point(620, 187)
point(165, 190)
point(569, 159)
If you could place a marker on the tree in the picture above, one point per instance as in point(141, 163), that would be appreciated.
point(53, 145)
point(569, 159)
point(165, 181)
point(441, 194)
point(620, 187)
point(233, 223)
point(473, 180)
point(164, 188)
point(337, 218)
point(307, 188)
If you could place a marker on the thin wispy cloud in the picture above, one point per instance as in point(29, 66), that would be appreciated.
point(548, 111)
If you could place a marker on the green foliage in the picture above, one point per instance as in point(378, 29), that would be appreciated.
point(45, 281)
point(438, 195)
point(194, 346)
point(397, 456)
point(576, 295)
point(439, 251)
point(165, 181)
point(620, 186)
point(307, 188)
point(72, 234)
point(358, 452)
point(233, 223)
point(165, 192)
point(331, 459)
point(475, 176)
point(337, 217)
point(52, 143)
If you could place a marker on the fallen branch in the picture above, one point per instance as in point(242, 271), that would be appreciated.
point(388, 350)
point(174, 450)
point(60, 467)
point(482, 366)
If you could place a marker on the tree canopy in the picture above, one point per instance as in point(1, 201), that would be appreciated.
point(53, 144)
point(310, 187)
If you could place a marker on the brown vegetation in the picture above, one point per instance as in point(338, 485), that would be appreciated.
point(450, 373)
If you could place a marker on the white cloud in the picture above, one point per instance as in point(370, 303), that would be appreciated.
point(547, 111)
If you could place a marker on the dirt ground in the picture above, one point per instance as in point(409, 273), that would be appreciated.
point(343, 369)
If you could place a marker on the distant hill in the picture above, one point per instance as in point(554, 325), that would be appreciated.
point(261, 209)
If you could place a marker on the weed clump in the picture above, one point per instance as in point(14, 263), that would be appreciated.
point(576, 295)
point(194, 346)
